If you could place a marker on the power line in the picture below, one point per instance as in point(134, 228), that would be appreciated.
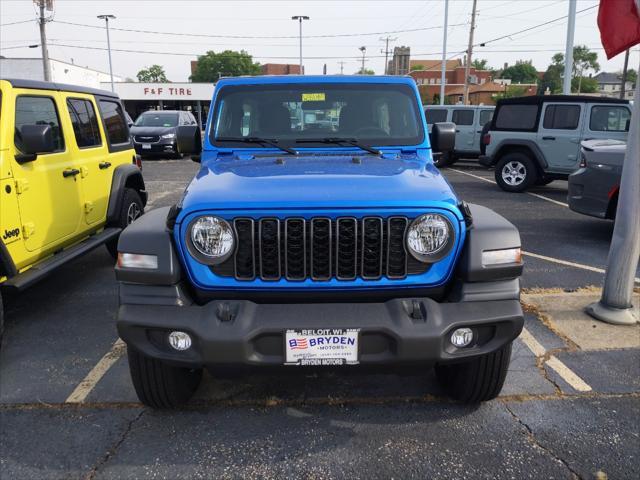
point(482, 44)
point(252, 36)
point(16, 23)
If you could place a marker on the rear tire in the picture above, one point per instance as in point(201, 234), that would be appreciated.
point(476, 380)
point(131, 209)
point(515, 172)
point(159, 385)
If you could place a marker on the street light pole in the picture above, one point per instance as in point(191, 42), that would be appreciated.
point(568, 55)
point(363, 49)
point(443, 77)
point(300, 18)
point(43, 41)
point(106, 19)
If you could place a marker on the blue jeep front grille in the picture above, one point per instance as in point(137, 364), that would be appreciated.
point(320, 249)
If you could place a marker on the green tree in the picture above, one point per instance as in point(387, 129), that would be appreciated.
point(480, 64)
point(153, 74)
point(584, 85)
point(521, 72)
point(212, 66)
point(418, 67)
point(632, 76)
point(366, 71)
point(552, 79)
point(584, 60)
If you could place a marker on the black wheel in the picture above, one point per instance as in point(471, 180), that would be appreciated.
point(443, 159)
point(477, 380)
point(515, 172)
point(159, 385)
point(131, 209)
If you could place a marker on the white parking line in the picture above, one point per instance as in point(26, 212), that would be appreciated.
point(542, 197)
point(569, 264)
point(554, 363)
point(84, 388)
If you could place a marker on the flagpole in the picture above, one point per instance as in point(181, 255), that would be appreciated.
point(615, 305)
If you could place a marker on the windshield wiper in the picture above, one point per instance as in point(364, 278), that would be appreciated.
point(350, 141)
point(265, 141)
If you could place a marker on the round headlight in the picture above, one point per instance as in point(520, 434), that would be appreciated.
point(430, 237)
point(211, 239)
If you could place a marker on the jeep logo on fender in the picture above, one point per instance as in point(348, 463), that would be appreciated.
point(15, 233)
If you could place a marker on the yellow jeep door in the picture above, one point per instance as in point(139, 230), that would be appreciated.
point(92, 155)
point(48, 188)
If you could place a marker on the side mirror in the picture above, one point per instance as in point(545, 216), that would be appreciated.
point(35, 139)
point(189, 140)
point(443, 137)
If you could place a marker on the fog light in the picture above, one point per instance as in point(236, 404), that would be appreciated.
point(134, 260)
point(179, 340)
point(501, 257)
point(461, 337)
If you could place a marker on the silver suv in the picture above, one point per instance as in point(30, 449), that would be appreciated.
point(469, 120)
point(535, 140)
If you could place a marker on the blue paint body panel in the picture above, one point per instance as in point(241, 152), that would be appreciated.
point(261, 182)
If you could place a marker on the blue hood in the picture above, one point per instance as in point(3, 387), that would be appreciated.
point(317, 180)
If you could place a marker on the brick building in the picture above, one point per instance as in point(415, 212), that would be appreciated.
point(280, 69)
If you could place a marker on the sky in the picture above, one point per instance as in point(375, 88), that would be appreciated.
point(334, 33)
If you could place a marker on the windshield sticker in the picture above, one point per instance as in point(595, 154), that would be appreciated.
point(313, 97)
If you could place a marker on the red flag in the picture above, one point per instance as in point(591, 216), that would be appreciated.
point(619, 23)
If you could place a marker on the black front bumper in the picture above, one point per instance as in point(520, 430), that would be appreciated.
point(155, 148)
point(241, 332)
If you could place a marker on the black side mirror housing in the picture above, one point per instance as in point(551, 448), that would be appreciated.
point(443, 137)
point(189, 140)
point(35, 139)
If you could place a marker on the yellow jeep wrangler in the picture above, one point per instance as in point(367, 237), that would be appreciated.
point(70, 180)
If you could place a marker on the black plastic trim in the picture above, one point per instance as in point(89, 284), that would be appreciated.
point(123, 176)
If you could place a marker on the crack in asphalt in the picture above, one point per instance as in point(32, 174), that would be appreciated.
point(328, 401)
point(114, 449)
point(534, 441)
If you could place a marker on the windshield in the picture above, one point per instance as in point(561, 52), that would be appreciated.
point(374, 114)
point(157, 120)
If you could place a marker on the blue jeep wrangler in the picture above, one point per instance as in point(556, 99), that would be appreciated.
point(318, 233)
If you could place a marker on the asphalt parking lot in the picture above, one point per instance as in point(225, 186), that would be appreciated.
point(68, 409)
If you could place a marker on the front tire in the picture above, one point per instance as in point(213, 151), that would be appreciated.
point(442, 160)
point(131, 209)
point(476, 380)
point(159, 385)
point(515, 172)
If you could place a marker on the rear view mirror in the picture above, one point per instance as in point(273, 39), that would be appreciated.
point(189, 140)
point(35, 139)
point(443, 136)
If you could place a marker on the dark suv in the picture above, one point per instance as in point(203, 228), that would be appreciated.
point(154, 132)
point(535, 140)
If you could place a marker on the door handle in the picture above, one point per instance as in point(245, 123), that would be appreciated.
point(70, 172)
point(548, 138)
point(104, 165)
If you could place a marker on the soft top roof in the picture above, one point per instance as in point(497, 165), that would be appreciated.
point(59, 87)
point(315, 79)
point(539, 99)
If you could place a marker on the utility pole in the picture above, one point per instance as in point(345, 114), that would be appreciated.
point(106, 19)
point(465, 97)
point(341, 62)
point(386, 52)
point(300, 18)
point(443, 76)
point(568, 55)
point(363, 49)
point(48, 5)
point(624, 73)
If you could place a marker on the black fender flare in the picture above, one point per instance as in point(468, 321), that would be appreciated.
point(7, 267)
point(124, 176)
point(532, 146)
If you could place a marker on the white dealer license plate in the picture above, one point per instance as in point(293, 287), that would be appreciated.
point(324, 346)
point(146, 146)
